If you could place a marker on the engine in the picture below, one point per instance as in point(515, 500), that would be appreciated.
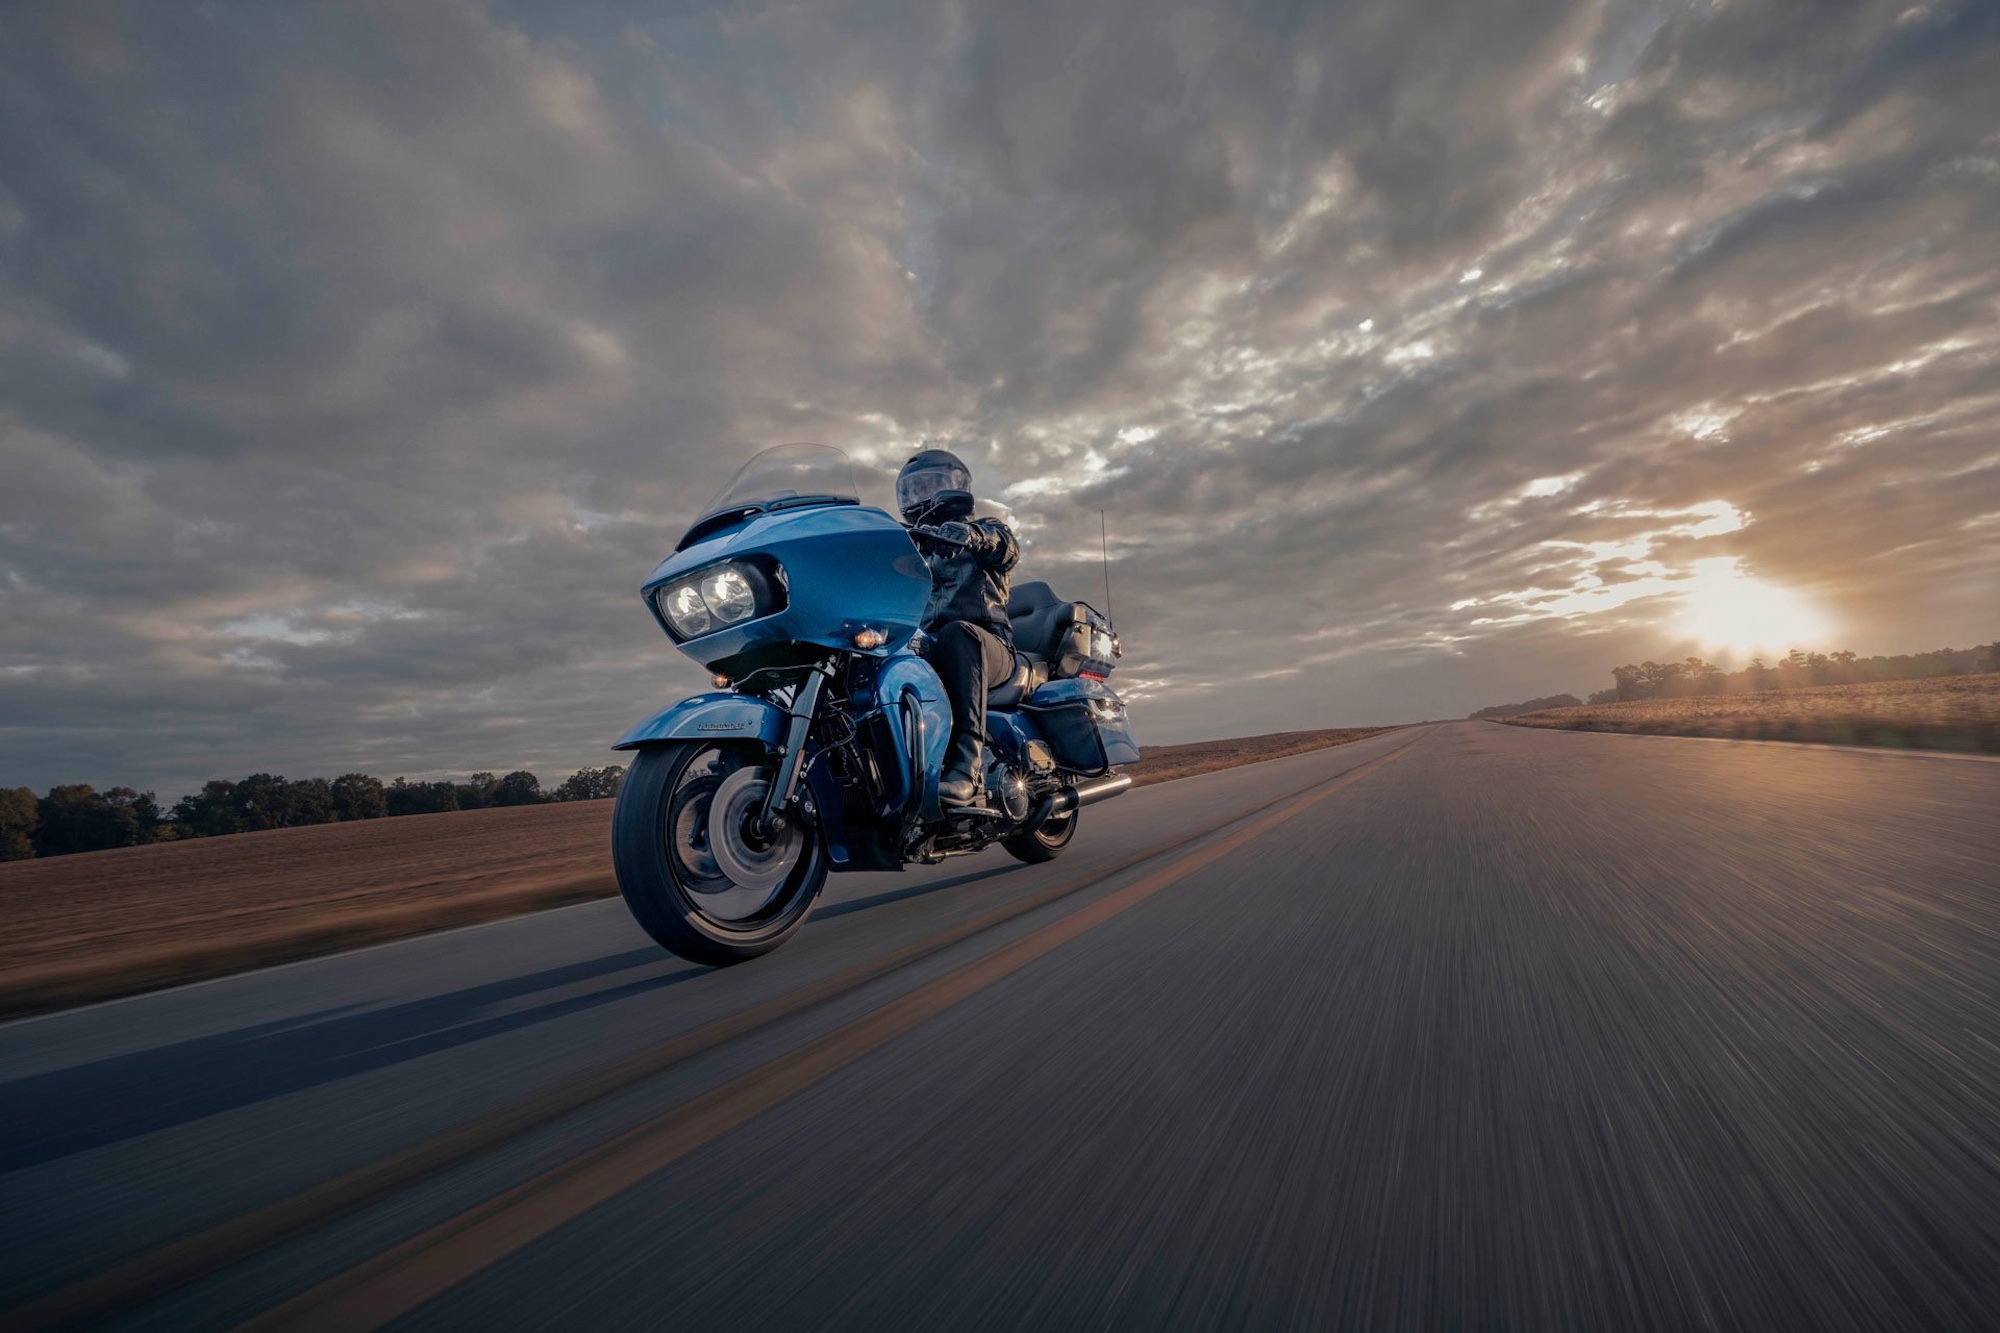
point(1007, 790)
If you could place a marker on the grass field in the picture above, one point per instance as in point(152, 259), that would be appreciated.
point(102, 924)
point(1942, 713)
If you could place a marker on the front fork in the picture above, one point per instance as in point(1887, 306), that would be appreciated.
point(792, 760)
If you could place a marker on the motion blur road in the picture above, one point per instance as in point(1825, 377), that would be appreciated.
point(1459, 1026)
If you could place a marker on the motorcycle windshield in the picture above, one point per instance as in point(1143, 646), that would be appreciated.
point(781, 478)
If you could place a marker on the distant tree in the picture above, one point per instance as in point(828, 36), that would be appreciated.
point(138, 811)
point(79, 818)
point(403, 797)
point(590, 784)
point(358, 796)
point(420, 798)
point(265, 800)
point(309, 801)
point(1609, 696)
point(20, 811)
point(476, 792)
point(519, 788)
point(1699, 677)
point(211, 812)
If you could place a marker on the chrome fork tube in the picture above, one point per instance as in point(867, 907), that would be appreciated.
point(793, 758)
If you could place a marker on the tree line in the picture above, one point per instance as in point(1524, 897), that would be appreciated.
point(1530, 706)
point(1692, 676)
point(79, 818)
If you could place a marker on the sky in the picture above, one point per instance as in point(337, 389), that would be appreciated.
point(358, 362)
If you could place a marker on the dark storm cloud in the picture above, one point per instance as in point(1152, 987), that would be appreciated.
point(356, 363)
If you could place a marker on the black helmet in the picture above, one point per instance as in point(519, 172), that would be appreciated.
point(933, 486)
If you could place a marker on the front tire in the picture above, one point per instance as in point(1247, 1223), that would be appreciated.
point(670, 854)
point(1044, 843)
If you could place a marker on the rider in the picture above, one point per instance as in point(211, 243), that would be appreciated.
point(971, 641)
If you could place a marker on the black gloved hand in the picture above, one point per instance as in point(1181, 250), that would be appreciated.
point(962, 534)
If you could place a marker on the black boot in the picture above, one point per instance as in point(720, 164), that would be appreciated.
point(959, 783)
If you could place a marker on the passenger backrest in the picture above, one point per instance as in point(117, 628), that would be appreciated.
point(1040, 619)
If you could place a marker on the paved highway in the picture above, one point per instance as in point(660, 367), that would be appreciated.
point(1459, 1026)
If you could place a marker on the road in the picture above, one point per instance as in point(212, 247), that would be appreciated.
point(1459, 1026)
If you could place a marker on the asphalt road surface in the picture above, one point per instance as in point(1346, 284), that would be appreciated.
point(1464, 1026)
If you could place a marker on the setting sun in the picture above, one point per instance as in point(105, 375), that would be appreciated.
point(1726, 608)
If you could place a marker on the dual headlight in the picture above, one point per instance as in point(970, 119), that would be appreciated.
point(718, 597)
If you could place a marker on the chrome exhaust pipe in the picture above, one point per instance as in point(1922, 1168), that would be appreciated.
point(1075, 798)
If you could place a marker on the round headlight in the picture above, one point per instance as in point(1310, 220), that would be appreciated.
point(685, 610)
point(729, 595)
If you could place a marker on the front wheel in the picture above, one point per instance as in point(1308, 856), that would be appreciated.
point(1044, 843)
point(693, 866)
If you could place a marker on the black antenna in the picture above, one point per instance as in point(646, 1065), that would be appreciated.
point(1104, 546)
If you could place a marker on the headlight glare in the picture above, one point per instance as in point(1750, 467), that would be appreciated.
point(729, 595)
point(685, 610)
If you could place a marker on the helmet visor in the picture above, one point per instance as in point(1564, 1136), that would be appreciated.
point(917, 487)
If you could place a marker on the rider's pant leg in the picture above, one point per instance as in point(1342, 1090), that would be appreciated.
point(970, 659)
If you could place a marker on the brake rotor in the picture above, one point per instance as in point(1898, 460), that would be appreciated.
point(755, 865)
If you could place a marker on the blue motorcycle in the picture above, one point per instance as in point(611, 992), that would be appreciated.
point(820, 748)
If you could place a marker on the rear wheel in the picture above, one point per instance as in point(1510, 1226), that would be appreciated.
point(1044, 843)
point(694, 868)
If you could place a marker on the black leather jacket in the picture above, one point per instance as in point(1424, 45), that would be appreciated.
point(971, 582)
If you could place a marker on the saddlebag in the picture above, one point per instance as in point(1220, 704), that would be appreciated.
point(1085, 724)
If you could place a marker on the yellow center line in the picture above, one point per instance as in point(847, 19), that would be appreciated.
point(433, 1262)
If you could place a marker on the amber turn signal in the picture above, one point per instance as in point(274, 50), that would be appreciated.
point(870, 638)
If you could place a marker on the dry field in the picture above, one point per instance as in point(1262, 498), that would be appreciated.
point(101, 924)
point(1943, 713)
point(98, 924)
point(1165, 762)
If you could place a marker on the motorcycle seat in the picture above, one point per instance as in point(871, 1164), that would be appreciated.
point(1030, 671)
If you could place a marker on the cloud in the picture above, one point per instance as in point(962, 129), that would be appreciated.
point(356, 364)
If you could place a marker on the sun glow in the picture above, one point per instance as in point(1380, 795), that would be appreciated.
point(1726, 608)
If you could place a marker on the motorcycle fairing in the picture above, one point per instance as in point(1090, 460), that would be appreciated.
point(846, 568)
point(907, 691)
point(825, 790)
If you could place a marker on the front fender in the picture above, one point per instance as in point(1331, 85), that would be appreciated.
point(711, 717)
point(728, 717)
